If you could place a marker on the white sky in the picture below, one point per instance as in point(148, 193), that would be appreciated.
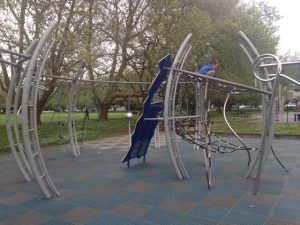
point(289, 30)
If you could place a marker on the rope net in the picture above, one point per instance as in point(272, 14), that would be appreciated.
point(187, 130)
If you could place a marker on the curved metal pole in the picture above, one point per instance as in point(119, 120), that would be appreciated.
point(71, 111)
point(233, 131)
point(174, 91)
point(207, 149)
point(14, 140)
point(36, 142)
point(255, 54)
point(267, 134)
point(170, 139)
point(27, 126)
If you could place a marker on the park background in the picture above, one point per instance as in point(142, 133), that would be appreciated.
point(123, 41)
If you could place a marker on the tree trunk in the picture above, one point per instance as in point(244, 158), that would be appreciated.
point(38, 116)
point(104, 112)
point(40, 106)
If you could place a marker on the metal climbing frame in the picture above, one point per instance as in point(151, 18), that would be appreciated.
point(268, 87)
point(260, 66)
point(268, 105)
point(29, 112)
point(25, 83)
point(13, 110)
point(71, 110)
point(202, 108)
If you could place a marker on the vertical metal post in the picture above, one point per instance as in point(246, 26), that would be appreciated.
point(129, 131)
point(287, 110)
point(129, 115)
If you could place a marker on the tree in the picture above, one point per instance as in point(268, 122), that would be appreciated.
point(124, 40)
point(113, 29)
point(27, 19)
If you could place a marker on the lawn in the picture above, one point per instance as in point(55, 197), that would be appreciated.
point(53, 131)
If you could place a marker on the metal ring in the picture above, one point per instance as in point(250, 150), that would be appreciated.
point(258, 63)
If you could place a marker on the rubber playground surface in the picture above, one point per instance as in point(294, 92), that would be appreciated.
point(97, 189)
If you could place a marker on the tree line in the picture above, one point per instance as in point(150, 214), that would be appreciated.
point(123, 40)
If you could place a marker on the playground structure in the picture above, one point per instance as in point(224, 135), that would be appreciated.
point(26, 82)
point(171, 74)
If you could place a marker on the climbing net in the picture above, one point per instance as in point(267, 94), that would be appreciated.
point(187, 130)
point(195, 130)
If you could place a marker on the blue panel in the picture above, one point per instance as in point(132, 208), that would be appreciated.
point(144, 129)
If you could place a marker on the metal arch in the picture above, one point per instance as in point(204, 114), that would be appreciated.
point(255, 54)
point(173, 120)
point(268, 131)
point(40, 160)
point(265, 145)
point(29, 122)
point(13, 96)
point(167, 114)
point(71, 110)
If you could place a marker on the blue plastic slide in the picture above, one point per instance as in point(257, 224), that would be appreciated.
point(144, 129)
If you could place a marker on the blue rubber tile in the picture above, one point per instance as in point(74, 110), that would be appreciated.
point(57, 222)
point(208, 212)
point(81, 199)
point(69, 184)
point(188, 195)
point(140, 222)
point(36, 203)
point(199, 188)
point(7, 193)
point(190, 220)
point(56, 209)
point(163, 191)
point(28, 187)
point(222, 174)
point(240, 218)
point(253, 208)
point(287, 213)
point(110, 181)
point(164, 176)
point(272, 183)
point(123, 195)
point(241, 185)
point(104, 204)
point(148, 199)
point(108, 219)
point(276, 170)
point(8, 212)
point(227, 191)
point(288, 203)
point(268, 189)
point(296, 169)
point(293, 182)
point(153, 179)
point(160, 216)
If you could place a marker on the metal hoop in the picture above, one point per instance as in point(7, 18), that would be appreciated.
point(258, 67)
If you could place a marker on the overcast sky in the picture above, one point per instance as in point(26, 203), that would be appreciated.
point(289, 30)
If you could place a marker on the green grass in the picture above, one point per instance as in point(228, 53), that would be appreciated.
point(53, 131)
point(246, 125)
